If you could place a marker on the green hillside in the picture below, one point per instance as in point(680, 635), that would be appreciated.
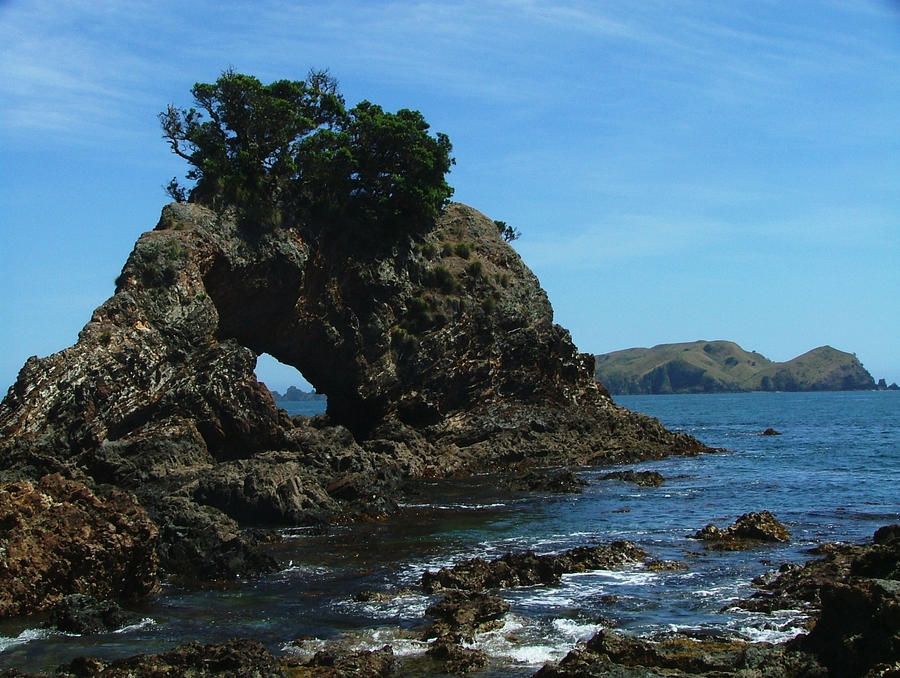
point(723, 366)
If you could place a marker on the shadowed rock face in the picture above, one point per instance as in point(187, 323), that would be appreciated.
point(438, 354)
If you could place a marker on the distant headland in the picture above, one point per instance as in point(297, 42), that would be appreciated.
point(294, 394)
point(723, 367)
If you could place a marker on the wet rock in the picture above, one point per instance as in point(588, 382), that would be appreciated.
point(747, 531)
point(455, 659)
point(527, 569)
point(770, 432)
point(858, 627)
point(360, 664)
point(666, 565)
point(82, 614)
point(57, 537)
point(201, 543)
point(852, 596)
point(642, 478)
point(462, 614)
point(562, 481)
point(232, 659)
point(613, 654)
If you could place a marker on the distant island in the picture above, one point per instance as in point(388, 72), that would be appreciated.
point(723, 367)
point(294, 395)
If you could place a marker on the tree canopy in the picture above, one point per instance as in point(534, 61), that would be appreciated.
point(291, 150)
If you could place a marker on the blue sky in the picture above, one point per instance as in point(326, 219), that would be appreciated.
point(679, 171)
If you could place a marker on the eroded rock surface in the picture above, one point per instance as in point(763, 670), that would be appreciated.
point(748, 530)
point(438, 353)
point(58, 537)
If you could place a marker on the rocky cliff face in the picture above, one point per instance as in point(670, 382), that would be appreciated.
point(438, 354)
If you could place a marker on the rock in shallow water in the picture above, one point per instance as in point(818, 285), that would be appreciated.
point(747, 531)
point(527, 569)
point(462, 614)
point(855, 627)
point(82, 614)
point(642, 478)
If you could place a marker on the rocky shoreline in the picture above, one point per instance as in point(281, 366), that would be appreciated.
point(437, 351)
point(148, 452)
point(851, 595)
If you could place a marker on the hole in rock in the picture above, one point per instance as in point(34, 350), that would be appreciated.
point(291, 389)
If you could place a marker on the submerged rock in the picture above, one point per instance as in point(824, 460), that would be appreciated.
point(642, 478)
point(527, 569)
point(82, 614)
point(437, 352)
point(561, 481)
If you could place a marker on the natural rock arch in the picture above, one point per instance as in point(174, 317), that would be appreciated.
point(438, 354)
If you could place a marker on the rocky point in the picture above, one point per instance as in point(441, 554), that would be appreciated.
point(437, 351)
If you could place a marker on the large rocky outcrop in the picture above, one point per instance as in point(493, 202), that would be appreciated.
point(438, 353)
point(57, 538)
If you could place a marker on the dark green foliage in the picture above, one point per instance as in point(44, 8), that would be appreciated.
point(442, 278)
point(176, 191)
point(403, 344)
point(429, 251)
point(446, 250)
point(463, 250)
point(156, 264)
point(475, 269)
point(292, 151)
point(508, 232)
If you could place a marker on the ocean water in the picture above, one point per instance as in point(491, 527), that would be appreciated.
point(831, 476)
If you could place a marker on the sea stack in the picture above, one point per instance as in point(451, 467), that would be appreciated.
point(437, 351)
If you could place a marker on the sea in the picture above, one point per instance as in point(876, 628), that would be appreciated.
point(832, 475)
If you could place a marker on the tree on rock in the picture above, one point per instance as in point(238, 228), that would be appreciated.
point(292, 151)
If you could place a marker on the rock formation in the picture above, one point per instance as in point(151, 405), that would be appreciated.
point(749, 530)
point(57, 537)
point(529, 569)
point(438, 354)
point(852, 596)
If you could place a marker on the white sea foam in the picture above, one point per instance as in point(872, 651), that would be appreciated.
point(534, 655)
point(404, 643)
point(404, 606)
point(519, 641)
point(454, 507)
point(777, 627)
point(26, 636)
point(137, 626)
point(575, 630)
